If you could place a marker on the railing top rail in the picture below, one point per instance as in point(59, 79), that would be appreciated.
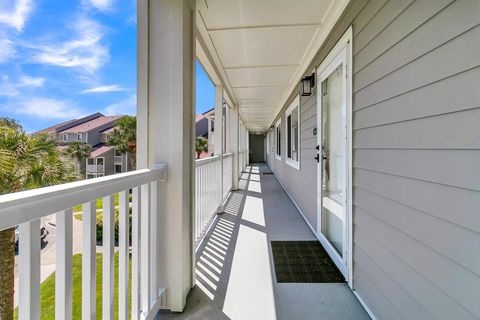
point(227, 155)
point(204, 161)
point(20, 207)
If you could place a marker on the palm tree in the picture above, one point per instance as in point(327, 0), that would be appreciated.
point(124, 138)
point(201, 145)
point(79, 151)
point(26, 162)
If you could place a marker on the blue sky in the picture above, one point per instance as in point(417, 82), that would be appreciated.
point(64, 59)
point(205, 91)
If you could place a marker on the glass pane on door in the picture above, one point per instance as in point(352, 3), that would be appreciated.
point(334, 158)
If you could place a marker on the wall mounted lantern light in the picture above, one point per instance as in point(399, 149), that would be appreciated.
point(307, 84)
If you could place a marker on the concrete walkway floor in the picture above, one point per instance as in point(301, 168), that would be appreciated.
point(235, 272)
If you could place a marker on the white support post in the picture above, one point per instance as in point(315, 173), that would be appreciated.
point(29, 271)
point(247, 148)
point(123, 259)
point(136, 209)
point(166, 82)
point(89, 241)
point(63, 265)
point(108, 264)
point(234, 146)
point(219, 136)
point(218, 133)
point(226, 126)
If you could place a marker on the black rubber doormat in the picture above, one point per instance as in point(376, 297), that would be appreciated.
point(303, 261)
point(267, 173)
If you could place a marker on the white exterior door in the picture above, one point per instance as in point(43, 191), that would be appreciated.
point(334, 157)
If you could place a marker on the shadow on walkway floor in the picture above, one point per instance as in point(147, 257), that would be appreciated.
point(235, 278)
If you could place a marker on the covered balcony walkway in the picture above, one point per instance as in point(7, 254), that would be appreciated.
point(235, 276)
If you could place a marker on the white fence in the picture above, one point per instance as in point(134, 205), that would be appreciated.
point(28, 207)
point(211, 189)
point(227, 174)
point(95, 168)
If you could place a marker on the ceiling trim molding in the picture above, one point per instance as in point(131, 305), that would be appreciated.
point(316, 24)
point(262, 66)
point(330, 18)
point(209, 61)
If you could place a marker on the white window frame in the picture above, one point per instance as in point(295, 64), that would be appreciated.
point(79, 136)
point(115, 168)
point(293, 163)
point(65, 137)
point(278, 126)
point(103, 162)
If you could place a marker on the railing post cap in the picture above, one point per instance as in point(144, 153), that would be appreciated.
point(163, 167)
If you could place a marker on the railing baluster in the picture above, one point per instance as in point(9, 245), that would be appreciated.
point(108, 265)
point(153, 240)
point(145, 249)
point(123, 255)
point(29, 271)
point(63, 265)
point(136, 209)
point(89, 241)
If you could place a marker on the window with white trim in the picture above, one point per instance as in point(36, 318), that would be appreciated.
point(278, 139)
point(292, 141)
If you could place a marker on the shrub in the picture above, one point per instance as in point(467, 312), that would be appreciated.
point(116, 226)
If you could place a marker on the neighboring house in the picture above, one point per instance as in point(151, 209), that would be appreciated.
point(105, 160)
point(93, 130)
point(205, 126)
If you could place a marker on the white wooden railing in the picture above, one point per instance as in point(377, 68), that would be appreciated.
point(227, 174)
point(211, 189)
point(28, 207)
point(95, 168)
point(242, 161)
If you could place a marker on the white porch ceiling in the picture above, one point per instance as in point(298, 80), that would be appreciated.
point(262, 47)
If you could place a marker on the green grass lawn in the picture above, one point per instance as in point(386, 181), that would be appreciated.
point(77, 210)
point(47, 291)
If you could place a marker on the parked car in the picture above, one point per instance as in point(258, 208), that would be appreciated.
point(43, 233)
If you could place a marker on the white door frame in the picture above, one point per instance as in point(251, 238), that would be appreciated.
point(342, 52)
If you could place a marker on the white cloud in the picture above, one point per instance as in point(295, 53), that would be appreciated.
point(10, 88)
point(26, 81)
point(84, 52)
point(7, 88)
point(102, 89)
point(6, 49)
point(44, 108)
point(127, 106)
point(102, 5)
point(16, 15)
